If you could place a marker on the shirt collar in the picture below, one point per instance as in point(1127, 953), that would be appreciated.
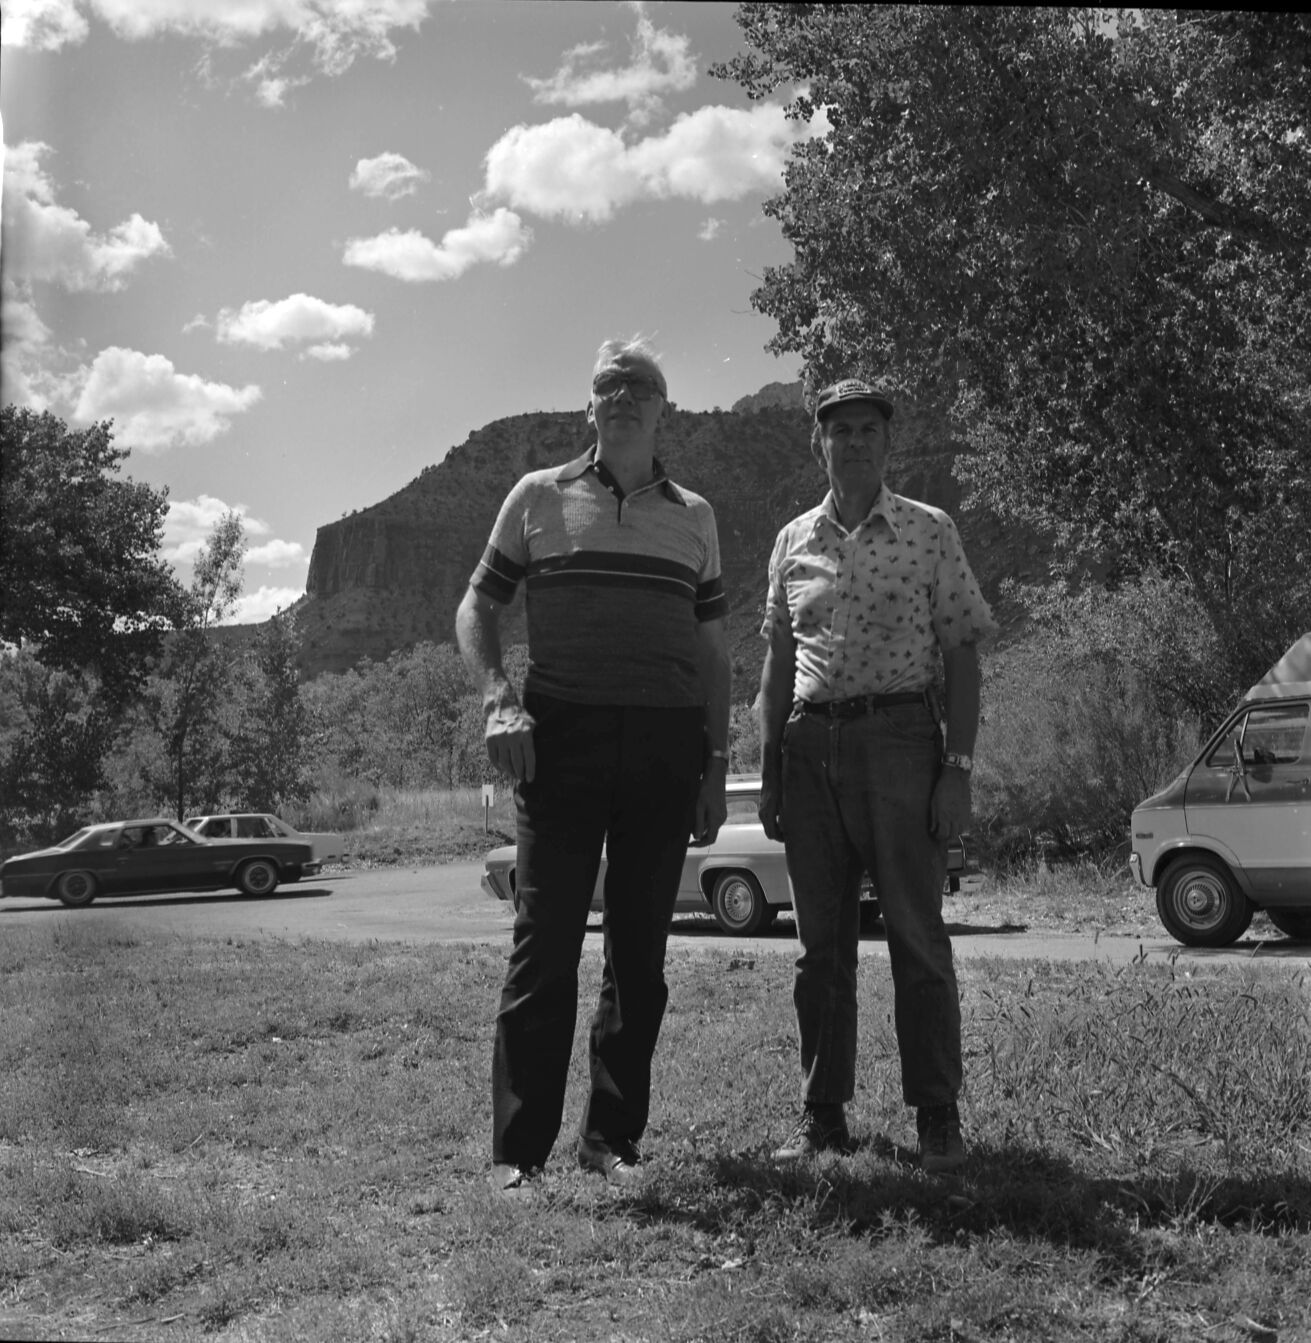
point(884, 506)
point(589, 461)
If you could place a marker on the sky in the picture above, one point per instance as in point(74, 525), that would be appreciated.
point(297, 250)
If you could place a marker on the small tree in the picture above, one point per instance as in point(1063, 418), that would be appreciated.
point(55, 732)
point(271, 748)
point(190, 693)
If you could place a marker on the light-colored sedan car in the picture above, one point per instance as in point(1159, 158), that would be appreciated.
point(328, 848)
point(741, 878)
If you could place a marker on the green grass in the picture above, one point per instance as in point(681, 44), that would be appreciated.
point(277, 1141)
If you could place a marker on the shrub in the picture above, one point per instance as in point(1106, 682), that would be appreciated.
point(1069, 744)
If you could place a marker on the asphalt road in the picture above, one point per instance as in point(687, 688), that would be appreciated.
point(446, 904)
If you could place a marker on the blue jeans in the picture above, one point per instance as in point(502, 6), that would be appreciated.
point(626, 778)
point(856, 798)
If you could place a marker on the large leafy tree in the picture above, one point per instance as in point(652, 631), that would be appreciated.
point(79, 548)
point(1087, 236)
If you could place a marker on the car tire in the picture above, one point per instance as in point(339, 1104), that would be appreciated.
point(1200, 903)
point(1294, 923)
point(257, 877)
point(738, 903)
point(76, 889)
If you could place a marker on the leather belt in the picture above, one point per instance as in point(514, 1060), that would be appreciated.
point(858, 705)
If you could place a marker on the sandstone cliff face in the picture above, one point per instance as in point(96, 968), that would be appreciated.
point(393, 574)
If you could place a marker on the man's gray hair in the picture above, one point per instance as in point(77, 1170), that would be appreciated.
point(634, 347)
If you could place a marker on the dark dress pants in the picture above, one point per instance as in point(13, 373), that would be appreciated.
point(627, 778)
point(856, 796)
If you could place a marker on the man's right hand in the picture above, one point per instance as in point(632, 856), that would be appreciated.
point(509, 736)
point(771, 803)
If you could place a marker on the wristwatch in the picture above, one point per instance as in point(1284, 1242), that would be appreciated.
point(954, 760)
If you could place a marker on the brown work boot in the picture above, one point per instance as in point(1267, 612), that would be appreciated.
point(941, 1147)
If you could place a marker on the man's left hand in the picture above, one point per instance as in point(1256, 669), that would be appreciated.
point(711, 809)
point(949, 808)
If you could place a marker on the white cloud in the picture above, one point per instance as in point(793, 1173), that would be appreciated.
point(295, 320)
point(325, 36)
point(254, 608)
point(278, 554)
point(570, 168)
point(329, 353)
point(661, 62)
point(44, 240)
point(43, 25)
point(500, 237)
point(25, 345)
point(336, 32)
point(189, 522)
point(153, 406)
point(709, 231)
point(389, 175)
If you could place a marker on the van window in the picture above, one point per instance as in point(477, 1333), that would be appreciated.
point(1271, 734)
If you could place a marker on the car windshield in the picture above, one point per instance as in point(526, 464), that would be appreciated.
point(75, 839)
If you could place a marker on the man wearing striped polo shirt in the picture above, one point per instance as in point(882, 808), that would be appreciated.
point(868, 593)
point(621, 741)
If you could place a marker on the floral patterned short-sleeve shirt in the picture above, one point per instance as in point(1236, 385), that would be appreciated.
point(870, 609)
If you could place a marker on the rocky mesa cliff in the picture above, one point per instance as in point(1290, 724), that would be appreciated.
point(392, 574)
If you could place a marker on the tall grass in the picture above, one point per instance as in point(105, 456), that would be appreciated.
point(274, 1141)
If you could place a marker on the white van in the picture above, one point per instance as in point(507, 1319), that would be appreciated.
point(1232, 834)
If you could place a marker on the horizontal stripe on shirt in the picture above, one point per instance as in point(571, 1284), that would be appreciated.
point(617, 584)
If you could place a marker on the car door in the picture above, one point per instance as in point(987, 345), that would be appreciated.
point(1251, 794)
point(160, 858)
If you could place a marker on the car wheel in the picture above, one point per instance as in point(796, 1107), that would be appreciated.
point(1294, 923)
point(738, 903)
point(257, 877)
point(1200, 904)
point(76, 889)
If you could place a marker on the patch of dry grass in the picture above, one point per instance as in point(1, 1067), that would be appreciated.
point(283, 1141)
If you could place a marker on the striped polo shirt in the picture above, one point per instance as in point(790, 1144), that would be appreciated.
point(616, 583)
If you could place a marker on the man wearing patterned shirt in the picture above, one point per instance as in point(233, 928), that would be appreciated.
point(867, 593)
point(621, 741)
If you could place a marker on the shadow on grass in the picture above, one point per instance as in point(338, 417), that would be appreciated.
point(1259, 948)
point(178, 901)
point(1012, 1189)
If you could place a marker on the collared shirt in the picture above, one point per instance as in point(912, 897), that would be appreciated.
point(616, 583)
point(870, 609)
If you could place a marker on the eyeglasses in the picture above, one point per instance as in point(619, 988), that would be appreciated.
point(640, 388)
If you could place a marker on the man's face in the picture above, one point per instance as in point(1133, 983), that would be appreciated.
point(854, 443)
point(626, 399)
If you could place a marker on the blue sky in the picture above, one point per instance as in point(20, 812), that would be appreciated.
point(298, 249)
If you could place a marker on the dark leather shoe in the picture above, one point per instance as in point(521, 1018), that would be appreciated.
point(820, 1129)
point(511, 1180)
point(618, 1161)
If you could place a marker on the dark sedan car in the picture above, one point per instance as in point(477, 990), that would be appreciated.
point(156, 854)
